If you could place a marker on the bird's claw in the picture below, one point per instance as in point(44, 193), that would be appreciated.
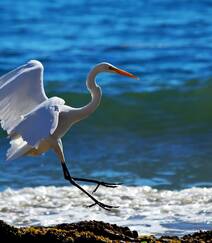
point(102, 205)
point(106, 184)
point(73, 180)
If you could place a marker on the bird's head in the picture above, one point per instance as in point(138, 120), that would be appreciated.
point(107, 67)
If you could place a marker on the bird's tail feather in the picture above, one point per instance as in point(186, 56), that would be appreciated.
point(18, 148)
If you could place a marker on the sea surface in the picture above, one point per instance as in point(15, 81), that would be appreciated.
point(153, 135)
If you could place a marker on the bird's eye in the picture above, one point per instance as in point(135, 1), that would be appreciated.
point(110, 68)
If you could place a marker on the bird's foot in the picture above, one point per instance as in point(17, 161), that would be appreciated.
point(103, 205)
point(106, 184)
point(99, 183)
point(73, 180)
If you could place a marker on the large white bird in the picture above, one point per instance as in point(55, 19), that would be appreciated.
point(36, 123)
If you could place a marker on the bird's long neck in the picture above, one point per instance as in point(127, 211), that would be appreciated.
point(96, 95)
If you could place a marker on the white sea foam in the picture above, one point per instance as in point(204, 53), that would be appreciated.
point(145, 209)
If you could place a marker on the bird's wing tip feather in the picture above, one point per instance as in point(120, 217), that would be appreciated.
point(35, 63)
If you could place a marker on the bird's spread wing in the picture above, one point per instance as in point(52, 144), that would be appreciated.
point(21, 90)
point(40, 123)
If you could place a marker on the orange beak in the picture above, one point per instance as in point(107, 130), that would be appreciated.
point(124, 73)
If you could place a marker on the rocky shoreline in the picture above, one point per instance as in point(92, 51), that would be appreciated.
point(88, 231)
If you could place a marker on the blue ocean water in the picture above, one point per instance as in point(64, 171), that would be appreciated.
point(153, 132)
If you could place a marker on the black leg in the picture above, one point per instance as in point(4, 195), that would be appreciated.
point(99, 183)
point(68, 177)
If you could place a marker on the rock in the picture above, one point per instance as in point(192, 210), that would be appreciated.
point(88, 231)
point(85, 231)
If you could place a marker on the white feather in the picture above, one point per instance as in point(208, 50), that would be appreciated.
point(21, 90)
point(26, 113)
point(18, 148)
point(40, 123)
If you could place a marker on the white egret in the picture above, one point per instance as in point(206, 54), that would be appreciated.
point(36, 123)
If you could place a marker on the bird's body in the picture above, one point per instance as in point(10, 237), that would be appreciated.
point(36, 123)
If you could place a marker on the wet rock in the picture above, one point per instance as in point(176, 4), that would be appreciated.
point(88, 231)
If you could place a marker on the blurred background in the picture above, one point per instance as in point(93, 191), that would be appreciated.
point(155, 131)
